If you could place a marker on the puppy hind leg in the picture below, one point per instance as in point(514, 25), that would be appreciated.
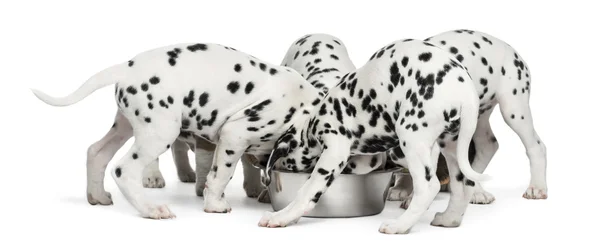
point(459, 193)
point(149, 144)
point(425, 184)
point(99, 155)
point(485, 145)
point(204, 160)
point(517, 115)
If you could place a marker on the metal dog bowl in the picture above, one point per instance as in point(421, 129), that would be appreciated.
point(351, 195)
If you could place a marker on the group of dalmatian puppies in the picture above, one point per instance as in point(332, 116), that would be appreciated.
point(413, 101)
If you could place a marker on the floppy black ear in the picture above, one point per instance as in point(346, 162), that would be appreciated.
point(281, 150)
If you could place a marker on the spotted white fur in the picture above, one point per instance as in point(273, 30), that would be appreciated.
point(227, 97)
point(410, 94)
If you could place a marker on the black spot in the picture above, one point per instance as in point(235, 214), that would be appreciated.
point(453, 50)
point(272, 71)
point(147, 119)
point(233, 86)
point(404, 61)
point(150, 105)
point(503, 71)
point(469, 183)
point(170, 100)
point(252, 129)
point(228, 164)
point(118, 172)
point(461, 79)
point(130, 63)
point(154, 80)
point(512, 116)
point(425, 56)
point(144, 87)
point(195, 47)
point(484, 61)
point(322, 171)
point(229, 152)
point(427, 174)
point(249, 87)
point(137, 112)
point(460, 58)
point(134, 156)
point(262, 66)
point(237, 67)
point(203, 99)
point(334, 57)
point(317, 197)
point(483, 81)
point(149, 96)
point(131, 90)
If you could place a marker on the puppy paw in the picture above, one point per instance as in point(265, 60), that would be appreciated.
point(482, 197)
point(214, 204)
point(404, 204)
point(200, 185)
point(104, 198)
point(394, 227)
point(277, 219)
point(535, 193)
point(159, 212)
point(398, 194)
point(446, 220)
point(187, 177)
point(252, 189)
point(153, 181)
point(264, 197)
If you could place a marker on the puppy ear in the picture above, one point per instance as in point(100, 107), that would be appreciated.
point(281, 150)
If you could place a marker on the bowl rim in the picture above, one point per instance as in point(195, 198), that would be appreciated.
point(390, 170)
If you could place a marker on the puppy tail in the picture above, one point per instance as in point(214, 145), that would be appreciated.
point(468, 123)
point(101, 79)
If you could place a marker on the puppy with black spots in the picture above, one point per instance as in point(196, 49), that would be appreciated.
point(501, 78)
point(322, 59)
point(227, 97)
point(410, 93)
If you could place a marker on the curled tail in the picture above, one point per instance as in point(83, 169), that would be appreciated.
point(101, 79)
point(468, 123)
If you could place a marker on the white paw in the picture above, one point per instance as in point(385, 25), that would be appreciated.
point(253, 189)
point(187, 177)
point(264, 196)
point(277, 219)
point(398, 194)
point(535, 193)
point(215, 204)
point(103, 198)
point(159, 212)
point(404, 204)
point(153, 181)
point(394, 227)
point(482, 197)
point(447, 220)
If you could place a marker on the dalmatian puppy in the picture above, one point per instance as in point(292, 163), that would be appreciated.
point(501, 77)
point(411, 93)
point(322, 59)
point(229, 98)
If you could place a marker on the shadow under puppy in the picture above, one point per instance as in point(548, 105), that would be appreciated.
point(501, 78)
point(227, 97)
point(410, 94)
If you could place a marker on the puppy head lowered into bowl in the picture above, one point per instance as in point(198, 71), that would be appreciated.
point(295, 151)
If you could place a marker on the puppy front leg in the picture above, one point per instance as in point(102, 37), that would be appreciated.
point(330, 165)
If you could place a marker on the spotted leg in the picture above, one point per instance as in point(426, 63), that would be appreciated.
point(485, 145)
point(461, 191)
point(252, 184)
point(151, 140)
point(420, 156)
point(330, 165)
point(517, 115)
point(179, 150)
point(98, 156)
point(227, 154)
point(204, 151)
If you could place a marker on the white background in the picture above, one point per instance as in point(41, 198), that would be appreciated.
point(57, 45)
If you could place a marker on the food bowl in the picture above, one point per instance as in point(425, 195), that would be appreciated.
point(351, 195)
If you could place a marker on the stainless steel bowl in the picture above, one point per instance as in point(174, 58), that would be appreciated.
point(351, 195)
